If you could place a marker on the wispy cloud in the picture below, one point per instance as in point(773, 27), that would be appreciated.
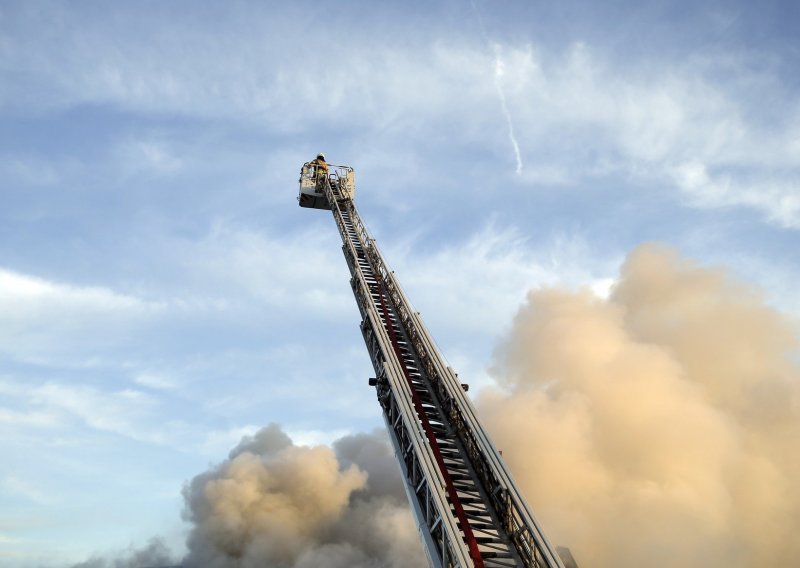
point(148, 154)
point(161, 293)
point(40, 318)
point(677, 127)
point(285, 272)
point(28, 171)
point(578, 116)
point(16, 287)
point(155, 381)
point(496, 267)
point(777, 198)
point(4, 539)
point(127, 412)
point(15, 486)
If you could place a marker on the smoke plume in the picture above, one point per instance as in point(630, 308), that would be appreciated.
point(154, 555)
point(656, 428)
point(272, 503)
point(659, 427)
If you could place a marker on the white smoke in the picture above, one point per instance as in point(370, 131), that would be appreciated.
point(659, 427)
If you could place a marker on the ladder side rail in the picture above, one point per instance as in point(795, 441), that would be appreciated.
point(526, 541)
point(428, 483)
point(432, 484)
point(511, 506)
point(339, 219)
point(432, 362)
point(417, 492)
point(514, 512)
point(454, 549)
point(421, 493)
point(429, 414)
point(522, 523)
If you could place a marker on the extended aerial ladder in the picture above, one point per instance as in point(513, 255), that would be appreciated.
point(469, 511)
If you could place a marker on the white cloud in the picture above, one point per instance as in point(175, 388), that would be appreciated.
point(779, 199)
point(576, 114)
point(39, 419)
point(148, 155)
point(155, 381)
point(476, 287)
point(19, 487)
point(469, 292)
point(292, 272)
point(602, 287)
point(28, 171)
point(16, 288)
point(121, 412)
point(143, 360)
point(67, 409)
point(4, 539)
point(657, 127)
point(316, 437)
point(41, 318)
point(217, 442)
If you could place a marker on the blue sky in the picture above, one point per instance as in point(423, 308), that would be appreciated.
point(161, 294)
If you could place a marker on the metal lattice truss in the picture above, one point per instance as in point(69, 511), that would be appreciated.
point(468, 508)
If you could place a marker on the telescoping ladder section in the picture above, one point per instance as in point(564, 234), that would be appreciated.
point(468, 508)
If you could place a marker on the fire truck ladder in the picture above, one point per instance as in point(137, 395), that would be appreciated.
point(468, 509)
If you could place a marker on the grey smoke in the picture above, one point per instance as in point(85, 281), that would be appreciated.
point(153, 555)
point(273, 503)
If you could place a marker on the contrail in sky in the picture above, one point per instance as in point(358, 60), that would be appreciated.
point(499, 71)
